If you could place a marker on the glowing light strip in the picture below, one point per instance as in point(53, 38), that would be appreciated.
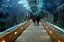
point(57, 27)
point(12, 28)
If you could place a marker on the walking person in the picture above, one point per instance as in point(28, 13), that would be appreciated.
point(34, 20)
point(38, 20)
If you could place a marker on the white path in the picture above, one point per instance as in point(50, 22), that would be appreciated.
point(34, 34)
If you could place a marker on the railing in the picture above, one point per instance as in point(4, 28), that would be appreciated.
point(2, 34)
point(59, 30)
point(12, 35)
point(52, 33)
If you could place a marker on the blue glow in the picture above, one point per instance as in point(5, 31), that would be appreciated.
point(40, 4)
point(25, 4)
point(8, 0)
point(58, 28)
point(20, 2)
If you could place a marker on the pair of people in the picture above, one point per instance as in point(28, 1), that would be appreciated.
point(36, 19)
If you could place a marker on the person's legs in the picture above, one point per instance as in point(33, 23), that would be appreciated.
point(34, 23)
point(37, 23)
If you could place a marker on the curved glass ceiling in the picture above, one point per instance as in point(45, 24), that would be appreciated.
point(25, 4)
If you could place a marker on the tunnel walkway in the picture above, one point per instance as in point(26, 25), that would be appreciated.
point(34, 34)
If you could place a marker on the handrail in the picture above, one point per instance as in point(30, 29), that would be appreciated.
point(13, 35)
point(59, 30)
point(53, 34)
point(2, 34)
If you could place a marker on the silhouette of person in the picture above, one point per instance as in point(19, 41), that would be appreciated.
point(34, 20)
point(38, 20)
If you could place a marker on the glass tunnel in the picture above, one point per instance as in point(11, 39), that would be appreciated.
point(31, 20)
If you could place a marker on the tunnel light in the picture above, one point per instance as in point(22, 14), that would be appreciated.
point(46, 27)
point(3, 41)
point(20, 2)
point(39, 6)
point(15, 32)
point(10, 36)
point(3, 5)
point(44, 24)
point(26, 5)
point(8, 0)
point(58, 28)
point(50, 31)
point(30, 20)
point(21, 28)
point(26, 25)
point(58, 40)
point(24, 2)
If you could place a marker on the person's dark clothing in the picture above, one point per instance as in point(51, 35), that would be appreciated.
point(34, 20)
point(38, 19)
